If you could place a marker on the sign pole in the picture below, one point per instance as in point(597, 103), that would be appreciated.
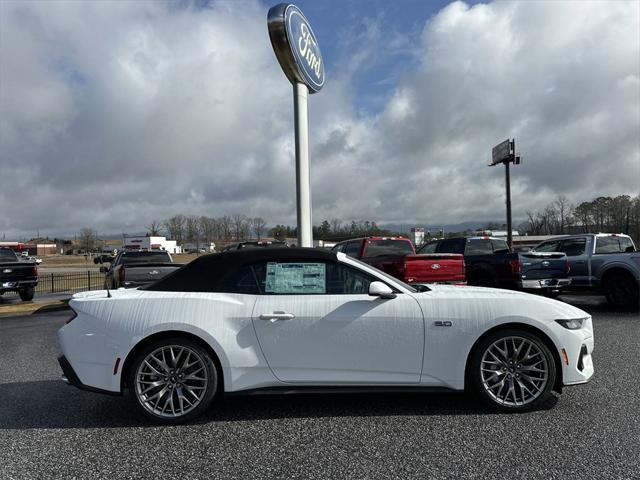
point(508, 184)
point(296, 48)
point(303, 193)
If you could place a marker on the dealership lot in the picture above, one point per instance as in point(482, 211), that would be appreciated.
point(50, 430)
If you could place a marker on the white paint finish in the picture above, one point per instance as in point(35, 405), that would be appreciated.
point(473, 311)
point(222, 320)
point(333, 339)
point(342, 338)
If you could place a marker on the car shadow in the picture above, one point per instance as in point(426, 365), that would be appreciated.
point(52, 404)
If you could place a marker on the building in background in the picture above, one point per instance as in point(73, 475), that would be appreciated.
point(150, 243)
point(417, 236)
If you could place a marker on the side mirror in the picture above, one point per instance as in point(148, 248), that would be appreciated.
point(382, 290)
point(104, 269)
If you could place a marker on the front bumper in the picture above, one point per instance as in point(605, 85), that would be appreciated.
point(545, 283)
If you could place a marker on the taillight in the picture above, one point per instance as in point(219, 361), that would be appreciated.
point(516, 266)
point(121, 274)
point(34, 271)
point(73, 315)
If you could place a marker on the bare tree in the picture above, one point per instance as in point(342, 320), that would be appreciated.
point(239, 222)
point(563, 208)
point(87, 239)
point(192, 224)
point(154, 228)
point(259, 225)
point(175, 227)
point(225, 227)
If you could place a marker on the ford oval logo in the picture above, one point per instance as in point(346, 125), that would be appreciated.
point(296, 46)
point(305, 47)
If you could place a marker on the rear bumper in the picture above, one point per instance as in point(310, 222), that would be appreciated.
point(70, 377)
point(544, 283)
point(6, 286)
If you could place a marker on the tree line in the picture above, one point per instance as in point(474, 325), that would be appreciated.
point(240, 227)
point(620, 214)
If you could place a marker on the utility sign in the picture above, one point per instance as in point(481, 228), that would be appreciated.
point(502, 152)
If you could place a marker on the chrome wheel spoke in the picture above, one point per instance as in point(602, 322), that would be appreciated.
point(171, 381)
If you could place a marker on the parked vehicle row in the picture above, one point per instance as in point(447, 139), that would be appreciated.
point(17, 275)
point(490, 263)
point(397, 257)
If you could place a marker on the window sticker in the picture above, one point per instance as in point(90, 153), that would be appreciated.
point(295, 278)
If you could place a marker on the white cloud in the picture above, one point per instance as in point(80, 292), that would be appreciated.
point(116, 113)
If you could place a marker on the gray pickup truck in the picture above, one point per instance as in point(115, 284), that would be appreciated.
point(131, 269)
point(604, 262)
point(17, 276)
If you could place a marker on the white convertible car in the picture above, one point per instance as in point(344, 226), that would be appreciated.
point(301, 319)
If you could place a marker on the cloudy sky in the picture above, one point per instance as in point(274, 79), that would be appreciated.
point(116, 113)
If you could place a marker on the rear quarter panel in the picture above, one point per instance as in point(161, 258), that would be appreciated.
point(110, 328)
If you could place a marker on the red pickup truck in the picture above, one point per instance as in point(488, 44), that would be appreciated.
point(397, 257)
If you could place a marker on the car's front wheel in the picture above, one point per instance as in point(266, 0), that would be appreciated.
point(513, 370)
point(173, 380)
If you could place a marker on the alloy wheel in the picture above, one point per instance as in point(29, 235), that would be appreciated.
point(171, 381)
point(514, 371)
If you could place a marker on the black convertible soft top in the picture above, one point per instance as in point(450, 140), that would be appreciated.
point(206, 273)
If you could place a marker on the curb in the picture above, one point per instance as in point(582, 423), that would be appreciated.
point(33, 308)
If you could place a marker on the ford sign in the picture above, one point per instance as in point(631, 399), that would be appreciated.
point(296, 46)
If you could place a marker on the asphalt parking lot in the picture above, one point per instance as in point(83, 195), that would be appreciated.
point(49, 430)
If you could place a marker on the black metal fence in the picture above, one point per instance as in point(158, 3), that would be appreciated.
point(70, 282)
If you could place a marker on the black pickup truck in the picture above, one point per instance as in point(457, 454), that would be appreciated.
point(131, 269)
point(490, 263)
point(17, 276)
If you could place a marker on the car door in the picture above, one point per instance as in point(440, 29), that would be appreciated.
point(316, 324)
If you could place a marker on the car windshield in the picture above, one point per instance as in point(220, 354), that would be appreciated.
point(376, 248)
point(387, 277)
point(144, 257)
point(7, 255)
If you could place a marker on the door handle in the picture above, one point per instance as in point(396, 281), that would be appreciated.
point(275, 316)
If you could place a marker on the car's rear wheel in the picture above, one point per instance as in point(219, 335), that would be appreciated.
point(27, 294)
point(173, 380)
point(513, 370)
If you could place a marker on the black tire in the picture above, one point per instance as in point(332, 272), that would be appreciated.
point(138, 367)
point(621, 290)
point(543, 397)
point(27, 294)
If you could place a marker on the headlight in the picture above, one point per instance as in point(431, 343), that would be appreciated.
point(573, 323)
